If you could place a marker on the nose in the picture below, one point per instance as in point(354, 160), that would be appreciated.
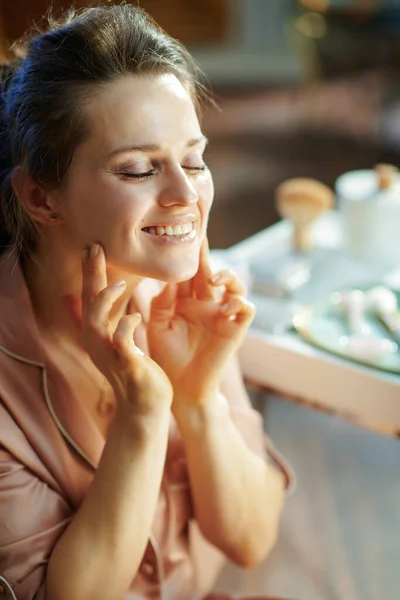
point(178, 189)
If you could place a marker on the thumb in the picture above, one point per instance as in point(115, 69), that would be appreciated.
point(163, 305)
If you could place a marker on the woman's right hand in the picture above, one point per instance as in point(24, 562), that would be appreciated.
point(138, 382)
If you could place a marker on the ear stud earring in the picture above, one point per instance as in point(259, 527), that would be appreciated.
point(53, 216)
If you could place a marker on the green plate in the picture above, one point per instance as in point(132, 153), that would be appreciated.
point(321, 325)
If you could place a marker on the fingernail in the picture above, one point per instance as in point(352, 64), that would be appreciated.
point(94, 250)
point(215, 278)
point(85, 253)
point(119, 282)
point(225, 308)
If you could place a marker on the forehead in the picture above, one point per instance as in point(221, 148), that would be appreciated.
point(143, 109)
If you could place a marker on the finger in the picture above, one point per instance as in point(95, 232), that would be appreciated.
point(94, 274)
point(204, 260)
point(201, 287)
point(98, 314)
point(239, 309)
point(163, 305)
point(230, 280)
point(185, 289)
point(123, 336)
point(201, 283)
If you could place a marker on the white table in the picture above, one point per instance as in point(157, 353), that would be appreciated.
point(286, 365)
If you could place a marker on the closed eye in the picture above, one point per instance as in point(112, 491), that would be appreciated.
point(200, 168)
point(146, 175)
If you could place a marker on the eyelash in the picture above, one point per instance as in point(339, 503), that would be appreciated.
point(152, 173)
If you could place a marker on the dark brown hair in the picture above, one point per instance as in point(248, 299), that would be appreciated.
point(43, 96)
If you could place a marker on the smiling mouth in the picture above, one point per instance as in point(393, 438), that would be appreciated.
point(176, 231)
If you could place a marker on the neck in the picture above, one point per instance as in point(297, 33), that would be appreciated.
point(54, 273)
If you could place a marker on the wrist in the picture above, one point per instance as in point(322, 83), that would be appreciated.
point(140, 424)
point(194, 419)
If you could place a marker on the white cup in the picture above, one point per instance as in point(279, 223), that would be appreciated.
point(371, 217)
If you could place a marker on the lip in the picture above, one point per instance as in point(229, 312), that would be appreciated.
point(173, 221)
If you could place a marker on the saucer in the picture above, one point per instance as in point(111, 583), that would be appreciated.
point(321, 325)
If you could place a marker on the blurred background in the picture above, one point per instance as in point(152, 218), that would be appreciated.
point(305, 87)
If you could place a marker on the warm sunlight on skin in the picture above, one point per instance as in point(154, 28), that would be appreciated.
point(140, 126)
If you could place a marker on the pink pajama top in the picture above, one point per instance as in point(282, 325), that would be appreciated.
point(49, 451)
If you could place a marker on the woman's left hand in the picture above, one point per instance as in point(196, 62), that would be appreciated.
point(192, 334)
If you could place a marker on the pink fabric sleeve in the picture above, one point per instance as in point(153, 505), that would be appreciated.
point(32, 518)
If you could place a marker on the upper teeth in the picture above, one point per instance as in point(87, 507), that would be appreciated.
point(178, 230)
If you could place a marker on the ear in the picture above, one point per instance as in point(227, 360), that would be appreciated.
point(38, 202)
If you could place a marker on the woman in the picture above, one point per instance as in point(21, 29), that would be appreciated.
point(129, 453)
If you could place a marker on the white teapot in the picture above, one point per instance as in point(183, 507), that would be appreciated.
point(369, 201)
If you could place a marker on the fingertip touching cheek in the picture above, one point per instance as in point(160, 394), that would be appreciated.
point(139, 184)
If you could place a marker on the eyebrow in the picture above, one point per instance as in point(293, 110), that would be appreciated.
point(154, 147)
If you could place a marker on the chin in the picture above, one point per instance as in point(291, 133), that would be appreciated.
point(178, 278)
point(177, 275)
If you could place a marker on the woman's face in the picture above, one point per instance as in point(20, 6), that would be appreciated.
point(140, 174)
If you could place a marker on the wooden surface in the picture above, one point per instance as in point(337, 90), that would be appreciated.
point(369, 397)
point(340, 533)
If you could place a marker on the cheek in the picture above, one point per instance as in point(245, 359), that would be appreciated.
point(205, 189)
point(108, 202)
